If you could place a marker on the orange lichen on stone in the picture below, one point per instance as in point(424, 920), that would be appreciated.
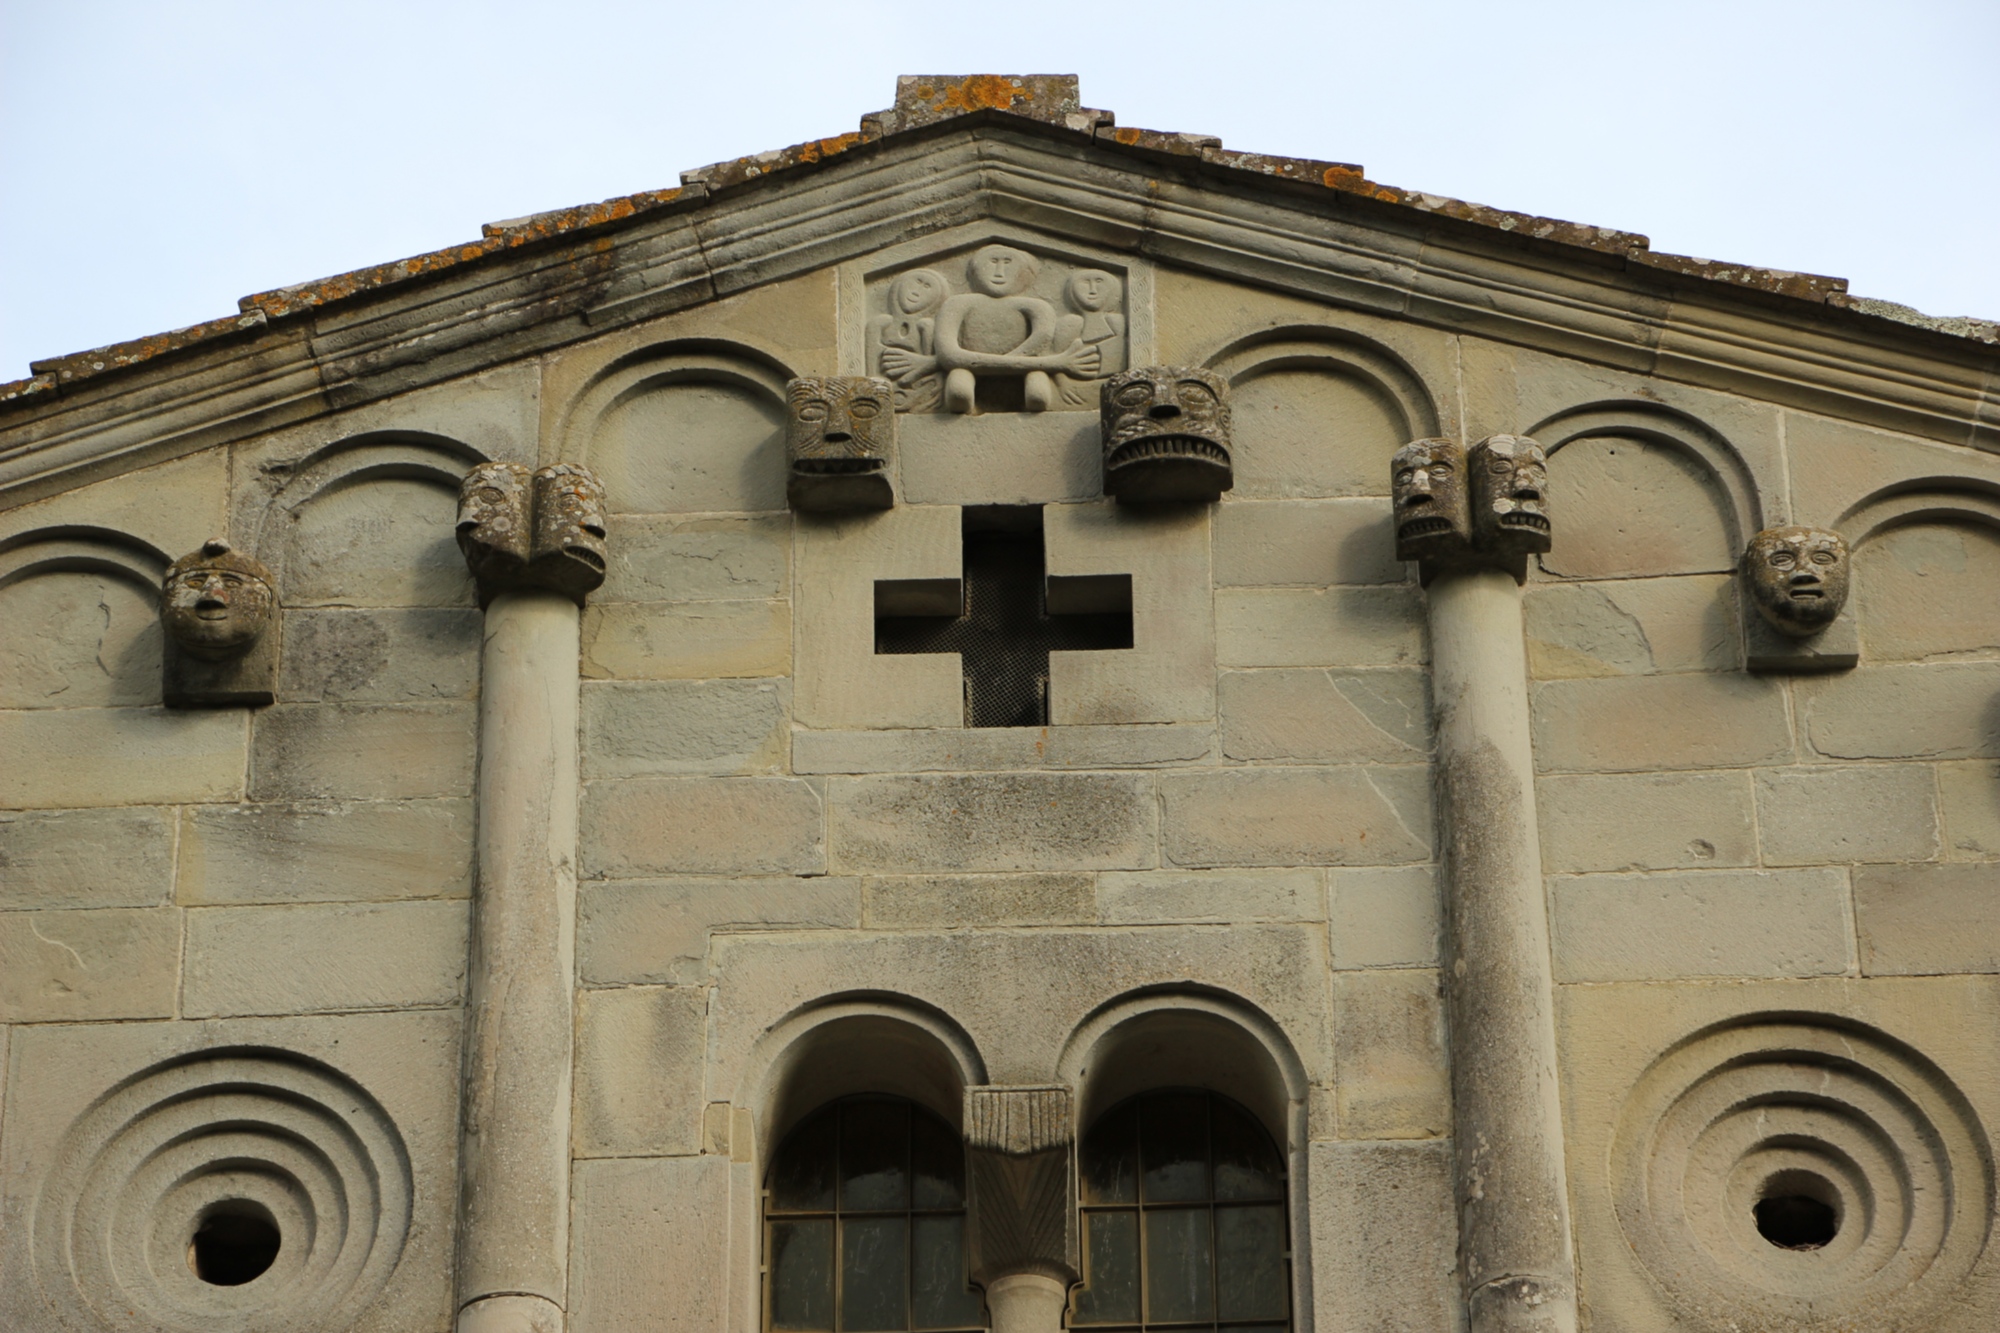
point(981, 92)
point(98, 360)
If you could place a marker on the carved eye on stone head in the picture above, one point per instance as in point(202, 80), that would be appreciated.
point(1783, 559)
point(813, 409)
point(1196, 394)
point(1440, 470)
point(1136, 394)
point(864, 409)
point(1500, 465)
point(1823, 557)
point(488, 495)
point(1406, 476)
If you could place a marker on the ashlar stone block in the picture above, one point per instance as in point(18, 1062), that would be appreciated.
point(1774, 923)
point(1645, 821)
point(1322, 627)
point(362, 751)
point(649, 728)
point(1385, 1238)
point(632, 931)
point(1149, 897)
point(1297, 816)
point(639, 1053)
point(1928, 919)
point(1637, 724)
point(641, 827)
point(1392, 1078)
point(992, 749)
point(646, 1253)
point(1325, 717)
point(325, 851)
point(1845, 813)
point(992, 821)
point(665, 559)
point(1941, 710)
point(1969, 806)
point(77, 966)
point(1305, 543)
point(1168, 675)
point(932, 902)
point(1632, 627)
point(86, 858)
point(380, 655)
point(325, 957)
point(66, 758)
point(1384, 917)
point(686, 640)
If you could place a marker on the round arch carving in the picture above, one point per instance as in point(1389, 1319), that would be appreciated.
point(1335, 351)
point(1929, 500)
point(87, 550)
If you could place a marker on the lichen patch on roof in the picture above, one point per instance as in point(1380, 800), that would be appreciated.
point(923, 101)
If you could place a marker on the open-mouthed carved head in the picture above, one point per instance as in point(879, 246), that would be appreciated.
point(217, 601)
point(1510, 488)
point(1166, 434)
point(1797, 577)
point(1433, 516)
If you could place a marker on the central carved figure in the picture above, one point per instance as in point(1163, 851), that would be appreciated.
point(997, 328)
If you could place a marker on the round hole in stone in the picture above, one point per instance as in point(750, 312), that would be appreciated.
point(233, 1243)
point(1798, 1210)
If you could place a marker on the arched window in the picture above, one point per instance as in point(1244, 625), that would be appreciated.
point(1183, 1218)
point(864, 1223)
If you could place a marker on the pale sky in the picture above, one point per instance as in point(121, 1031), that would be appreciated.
point(164, 157)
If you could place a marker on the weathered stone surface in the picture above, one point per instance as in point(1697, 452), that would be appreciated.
point(1147, 897)
point(86, 858)
point(69, 967)
point(1388, 917)
point(1389, 1051)
point(1384, 1238)
point(291, 960)
point(1632, 627)
point(1284, 627)
point(173, 506)
point(985, 749)
point(686, 640)
point(380, 656)
point(58, 759)
point(933, 902)
point(638, 1071)
point(1631, 508)
point(1928, 919)
point(1645, 821)
point(1013, 458)
point(79, 639)
point(647, 1252)
point(1000, 821)
point(362, 751)
point(726, 826)
point(386, 541)
point(1325, 717)
point(1969, 808)
point(1932, 711)
point(691, 444)
point(657, 930)
point(1305, 543)
point(647, 728)
point(656, 559)
point(1926, 590)
point(1312, 431)
point(348, 851)
point(1636, 724)
point(842, 681)
point(1782, 923)
point(1873, 812)
point(1297, 816)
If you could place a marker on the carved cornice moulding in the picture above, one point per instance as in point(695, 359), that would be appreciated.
point(1331, 247)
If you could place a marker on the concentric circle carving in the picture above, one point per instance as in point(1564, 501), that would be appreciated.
point(1794, 1171)
point(226, 1134)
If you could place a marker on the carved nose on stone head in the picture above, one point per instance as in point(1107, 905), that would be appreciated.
point(1164, 411)
point(836, 436)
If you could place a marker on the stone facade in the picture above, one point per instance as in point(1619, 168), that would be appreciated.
point(1597, 949)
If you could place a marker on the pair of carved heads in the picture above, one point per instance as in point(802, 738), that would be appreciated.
point(1166, 435)
point(1797, 578)
point(1486, 506)
point(840, 434)
point(532, 530)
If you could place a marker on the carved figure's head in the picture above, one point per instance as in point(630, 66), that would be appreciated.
point(918, 292)
point(217, 601)
point(1433, 508)
point(569, 528)
point(1001, 270)
point(839, 423)
point(1509, 475)
point(1797, 577)
point(1166, 434)
point(494, 523)
point(1091, 290)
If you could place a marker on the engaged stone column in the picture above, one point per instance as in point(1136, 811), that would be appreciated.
point(1023, 1226)
point(536, 546)
point(1472, 520)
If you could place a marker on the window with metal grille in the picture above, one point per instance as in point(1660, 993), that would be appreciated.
point(864, 1223)
point(1184, 1227)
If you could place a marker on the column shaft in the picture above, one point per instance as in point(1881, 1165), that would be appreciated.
point(514, 1193)
point(1514, 1232)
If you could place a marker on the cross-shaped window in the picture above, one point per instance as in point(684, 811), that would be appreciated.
point(1004, 617)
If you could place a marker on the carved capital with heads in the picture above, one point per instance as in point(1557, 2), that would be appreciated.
point(1794, 587)
point(1018, 1142)
point(523, 530)
point(1480, 508)
point(220, 611)
point(840, 440)
point(1166, 435)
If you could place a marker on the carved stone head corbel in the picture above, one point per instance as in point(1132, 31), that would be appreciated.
point(1794, 581)
point(1509, 476)
point(1480, 508)
point(840, 439)
point(220, 611)
point(1433, 507)
point(522, 530)
point(1166, 435)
